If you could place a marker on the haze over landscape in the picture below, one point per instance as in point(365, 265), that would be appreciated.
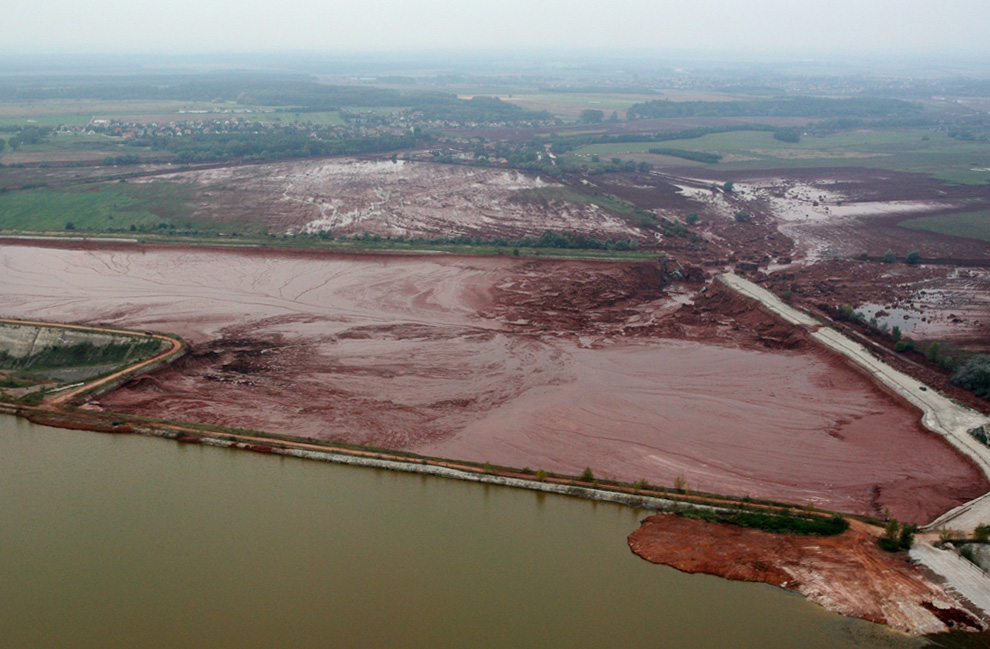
point(699, 292)
point(837, 29)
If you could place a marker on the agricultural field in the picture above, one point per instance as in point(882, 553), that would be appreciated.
point(113, 207)
point(80, 112)
point(568, 105)
point(908, 150)
point(975, 225)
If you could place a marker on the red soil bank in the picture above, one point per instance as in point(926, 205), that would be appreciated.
point(847, 573)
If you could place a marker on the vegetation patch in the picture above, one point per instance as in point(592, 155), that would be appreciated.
point(981, 434)
point(782, 521)
point(793, 107)
point(973, 225)
point(697, 156)
point(897, 537)
point(111, 207)
point(974, 375)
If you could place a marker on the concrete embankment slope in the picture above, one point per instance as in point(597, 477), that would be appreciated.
point(940, 414)
point(20, 340)
point(963, 576)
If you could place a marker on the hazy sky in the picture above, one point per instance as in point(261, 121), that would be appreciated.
point(806, 26)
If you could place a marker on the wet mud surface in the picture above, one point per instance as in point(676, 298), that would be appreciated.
point(556, 365)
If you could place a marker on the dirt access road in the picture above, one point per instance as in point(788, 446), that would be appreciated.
point(175, 347)
point(940, 415)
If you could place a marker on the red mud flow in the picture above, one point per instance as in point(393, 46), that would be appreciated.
point(555, 365)
point(847, 573)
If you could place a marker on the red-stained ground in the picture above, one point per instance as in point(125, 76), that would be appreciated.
point(555, 365)
point(847, 573)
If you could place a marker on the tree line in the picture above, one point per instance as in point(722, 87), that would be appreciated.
point(813, 107)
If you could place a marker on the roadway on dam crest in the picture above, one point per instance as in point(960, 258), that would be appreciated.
point(940, 414)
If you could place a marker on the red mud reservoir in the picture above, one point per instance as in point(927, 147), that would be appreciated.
point(500, 360)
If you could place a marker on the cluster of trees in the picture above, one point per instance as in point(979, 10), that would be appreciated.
point(563, 144)
point(897, 537)
point(549, 239)
point(783, 521)
point(913, 257)
point(697, 156)
point(618, 164)
point(594, 116)
point(26, 135)
point(211, 147)
point(478, 110)
point(791, 135)
point(969, 133)
point(791, 107)
point(125, 159)
point(902, 344)
point(974, 375)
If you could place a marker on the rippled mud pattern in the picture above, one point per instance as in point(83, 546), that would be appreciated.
point(558, 365)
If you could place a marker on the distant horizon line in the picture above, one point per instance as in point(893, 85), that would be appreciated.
point(631, 53)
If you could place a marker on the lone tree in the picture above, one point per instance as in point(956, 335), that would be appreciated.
point(913, 257)
point(889, 257)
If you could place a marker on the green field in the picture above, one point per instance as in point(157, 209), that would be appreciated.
point(975, 225)
point(112, 207)
point(74, 142)
point(79, 112)
point(911, 150)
